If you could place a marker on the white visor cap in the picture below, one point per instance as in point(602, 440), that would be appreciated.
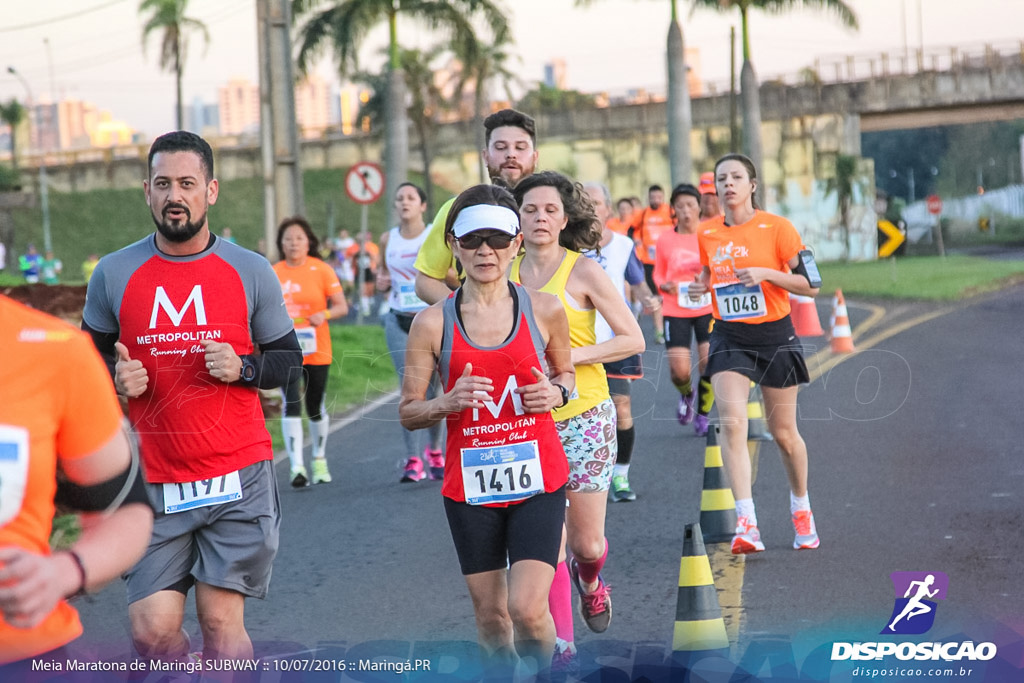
point(486, 217)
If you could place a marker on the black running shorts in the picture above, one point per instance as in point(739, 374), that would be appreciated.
point(491, 538)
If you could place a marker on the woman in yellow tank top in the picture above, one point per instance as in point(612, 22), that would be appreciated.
point(558, 223)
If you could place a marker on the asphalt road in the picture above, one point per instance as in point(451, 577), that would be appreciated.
point(916, 465)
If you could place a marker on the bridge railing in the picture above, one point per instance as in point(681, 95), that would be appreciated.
point(897, 62)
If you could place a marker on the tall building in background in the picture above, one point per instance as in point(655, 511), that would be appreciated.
point(110, 132)
point(312, 106)
point(239, 107)
point(203, 118)
point(556, 74)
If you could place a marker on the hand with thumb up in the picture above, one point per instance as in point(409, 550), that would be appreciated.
point(130, 376)
point(541, 396)
point(469, 391)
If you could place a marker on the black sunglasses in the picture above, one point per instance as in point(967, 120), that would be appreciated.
point(495, 240)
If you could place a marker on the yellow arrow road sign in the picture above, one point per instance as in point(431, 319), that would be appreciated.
point(896, 238)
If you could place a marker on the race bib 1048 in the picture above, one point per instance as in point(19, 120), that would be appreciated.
point(736, 301)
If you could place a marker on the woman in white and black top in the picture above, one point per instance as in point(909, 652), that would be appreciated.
point(398, 277)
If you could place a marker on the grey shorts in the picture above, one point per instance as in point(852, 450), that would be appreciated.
point(230, 546)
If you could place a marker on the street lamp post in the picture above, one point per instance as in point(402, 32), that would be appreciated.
point(44, 198)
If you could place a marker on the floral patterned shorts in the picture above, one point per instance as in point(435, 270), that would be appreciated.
point(590, 445)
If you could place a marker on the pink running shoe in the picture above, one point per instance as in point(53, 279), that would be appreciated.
point(413, 470)
point(435, 460)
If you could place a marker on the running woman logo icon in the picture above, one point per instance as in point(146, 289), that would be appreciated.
point(914, 608)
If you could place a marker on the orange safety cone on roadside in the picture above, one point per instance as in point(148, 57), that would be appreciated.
point(842, 336)
point(805, 316)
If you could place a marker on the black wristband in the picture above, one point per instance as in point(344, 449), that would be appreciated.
point(565, 394)
point(81, 574)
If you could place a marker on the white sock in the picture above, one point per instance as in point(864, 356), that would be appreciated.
point(318, 435)
point(797, 503)
point(291, 430)
point(620, 471)
point(745, 508)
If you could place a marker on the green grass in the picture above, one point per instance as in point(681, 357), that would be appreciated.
point(921, 277)
point(102, 221)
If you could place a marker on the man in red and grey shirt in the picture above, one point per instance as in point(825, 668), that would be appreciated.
point(178, 316)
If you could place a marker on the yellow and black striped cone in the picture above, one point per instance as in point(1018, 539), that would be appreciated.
point(757, 428)
point(717, 505)
point(699, 625)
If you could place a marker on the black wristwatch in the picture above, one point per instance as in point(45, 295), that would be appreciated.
point(565, 394)
point(248, 370)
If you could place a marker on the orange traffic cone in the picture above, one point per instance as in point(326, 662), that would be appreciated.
point(805, 316)
point(842, 337)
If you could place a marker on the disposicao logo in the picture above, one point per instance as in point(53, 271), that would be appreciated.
point(916, 592)
point(913, 613)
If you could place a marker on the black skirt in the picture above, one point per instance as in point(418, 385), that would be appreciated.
point(769, 354)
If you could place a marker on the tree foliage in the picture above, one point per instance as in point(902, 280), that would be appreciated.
point(13, 114)
point(169, 17)
point(547, 99)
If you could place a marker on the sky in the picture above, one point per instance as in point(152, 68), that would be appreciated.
point(92, 49)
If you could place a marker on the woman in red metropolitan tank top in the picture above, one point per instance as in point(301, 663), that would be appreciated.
point(503, 353)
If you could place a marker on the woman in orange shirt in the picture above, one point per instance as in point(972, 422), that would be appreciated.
point(751, 263)
point(313, 295)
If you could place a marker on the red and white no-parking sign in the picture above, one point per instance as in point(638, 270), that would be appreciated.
point(934, 204)
point(364, 182)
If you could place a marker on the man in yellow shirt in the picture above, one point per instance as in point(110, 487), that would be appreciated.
point(510, 154)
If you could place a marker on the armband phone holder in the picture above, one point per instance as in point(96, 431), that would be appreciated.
point(808, 268)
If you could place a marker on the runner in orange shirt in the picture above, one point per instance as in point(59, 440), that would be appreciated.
point(58, 438)
point(647, 226)
point(621, 223)
point(709, 206)
point(752, 261)
point(312, 295)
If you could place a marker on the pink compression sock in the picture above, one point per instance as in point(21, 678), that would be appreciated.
point(590, 570)
point(560, 603)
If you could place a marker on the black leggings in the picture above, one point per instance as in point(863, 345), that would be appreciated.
point(314, 377)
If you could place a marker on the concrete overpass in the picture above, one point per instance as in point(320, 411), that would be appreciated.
point(806, 125)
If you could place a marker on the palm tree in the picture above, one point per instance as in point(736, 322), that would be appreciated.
point(749, 92)
point(679, 114)
point(13, 113)
point(344, 25)
point(425, 103)
point(169, 16)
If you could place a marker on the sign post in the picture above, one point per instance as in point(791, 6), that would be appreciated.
point(934, 204)
point(364, 184)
